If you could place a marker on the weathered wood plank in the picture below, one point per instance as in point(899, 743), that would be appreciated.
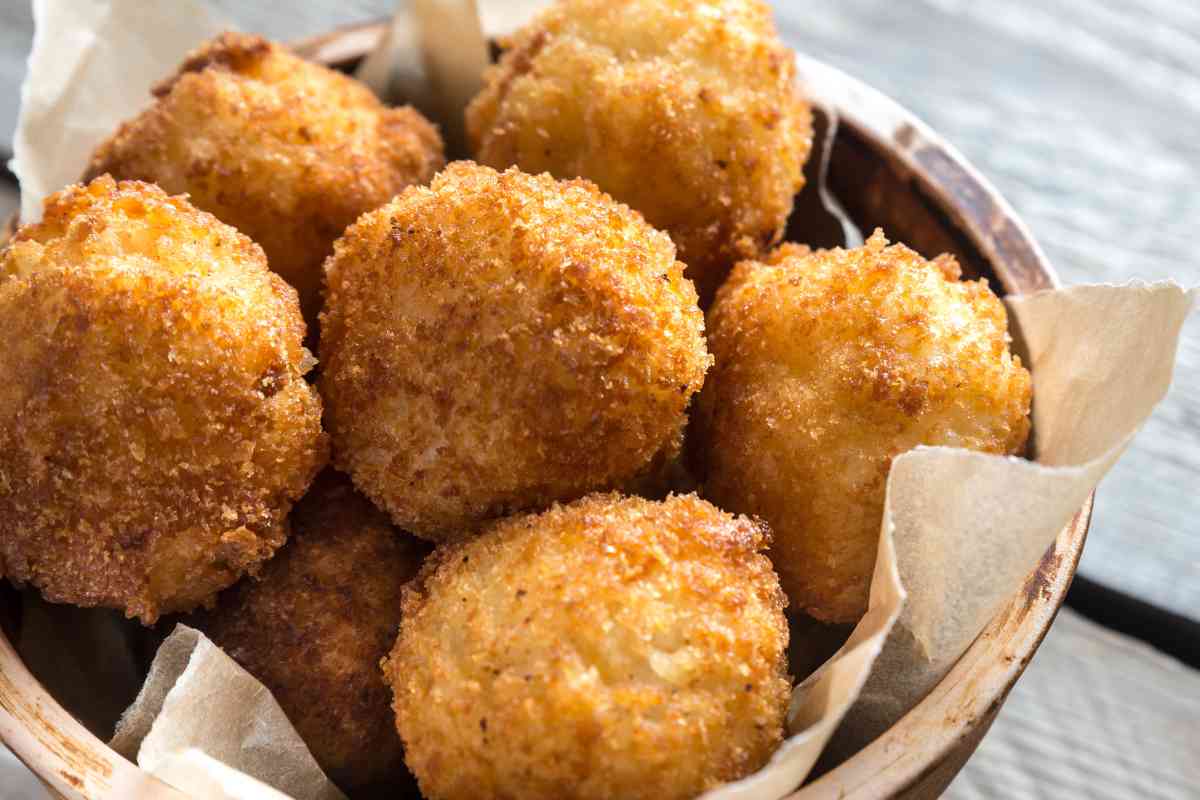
point(1096, 715)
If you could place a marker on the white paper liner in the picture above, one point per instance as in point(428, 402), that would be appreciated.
point(432, 56)
point(198, 707)
point(820, 702)
point(91, 67)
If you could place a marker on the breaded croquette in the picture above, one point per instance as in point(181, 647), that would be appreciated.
point(155, 424)
point(687, 111)
point(613, 647)
point(500, 341)
point(287, 151)
point(315, 624)
point(828, 365)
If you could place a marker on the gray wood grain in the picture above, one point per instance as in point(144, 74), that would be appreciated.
point(16, 36)
point(1083, 113)
point(1098, 716)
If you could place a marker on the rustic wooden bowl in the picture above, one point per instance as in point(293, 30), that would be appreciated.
point(889, 170)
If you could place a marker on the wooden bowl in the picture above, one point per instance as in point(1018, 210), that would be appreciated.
point(889, 170)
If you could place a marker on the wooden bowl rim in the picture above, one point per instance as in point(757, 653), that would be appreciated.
point(75, 764)
point(973, 691)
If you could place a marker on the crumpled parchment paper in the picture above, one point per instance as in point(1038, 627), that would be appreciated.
point(970, 527)
point(198, 708)
point(92, 65)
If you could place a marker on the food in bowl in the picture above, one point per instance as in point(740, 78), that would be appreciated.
point(502, 342)
point(687, 111)
point(829, 364)
point(613, 647)
point(287, 151)
point(499, 341)
point(155, 424)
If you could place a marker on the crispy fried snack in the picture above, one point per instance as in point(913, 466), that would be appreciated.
point(286, 151)
point(314, 626)
point(155, 425)
point(828, 365)
point(613, 647)
point(687, 111)
point(500, 341)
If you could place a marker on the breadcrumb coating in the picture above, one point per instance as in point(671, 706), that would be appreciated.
point(828, 365)
point(155, 424)
point(687, 111)
point(500, 341)
point(287, 151)
point(315, 624)
point(613, 647)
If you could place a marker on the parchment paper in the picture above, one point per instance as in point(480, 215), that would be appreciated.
point(91, 67)
point(970, 527)
point(820, 702)
point(432, 56)
point(198, 708)
point(960, 532)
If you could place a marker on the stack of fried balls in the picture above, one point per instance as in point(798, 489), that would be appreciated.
point(406, 439)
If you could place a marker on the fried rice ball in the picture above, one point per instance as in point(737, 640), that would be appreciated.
point(500, 341)
point(155, 424)
point(687, 111)
point(287, 151)
point(315, 624)
point(613, 647)
point(828, 365)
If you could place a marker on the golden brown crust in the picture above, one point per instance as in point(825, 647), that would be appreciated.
point(613, 647)
point(155, 425)
point(287, 151)
point(315, 624)
point(687, 111)
point(828, 365)
point(500, 341)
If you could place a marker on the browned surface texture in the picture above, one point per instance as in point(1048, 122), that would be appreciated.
point(828, 365)
point(315, 624)
point(287, 151)
point(501, 341)
point(684, 110)
point(155, 425)
point(614, 647)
